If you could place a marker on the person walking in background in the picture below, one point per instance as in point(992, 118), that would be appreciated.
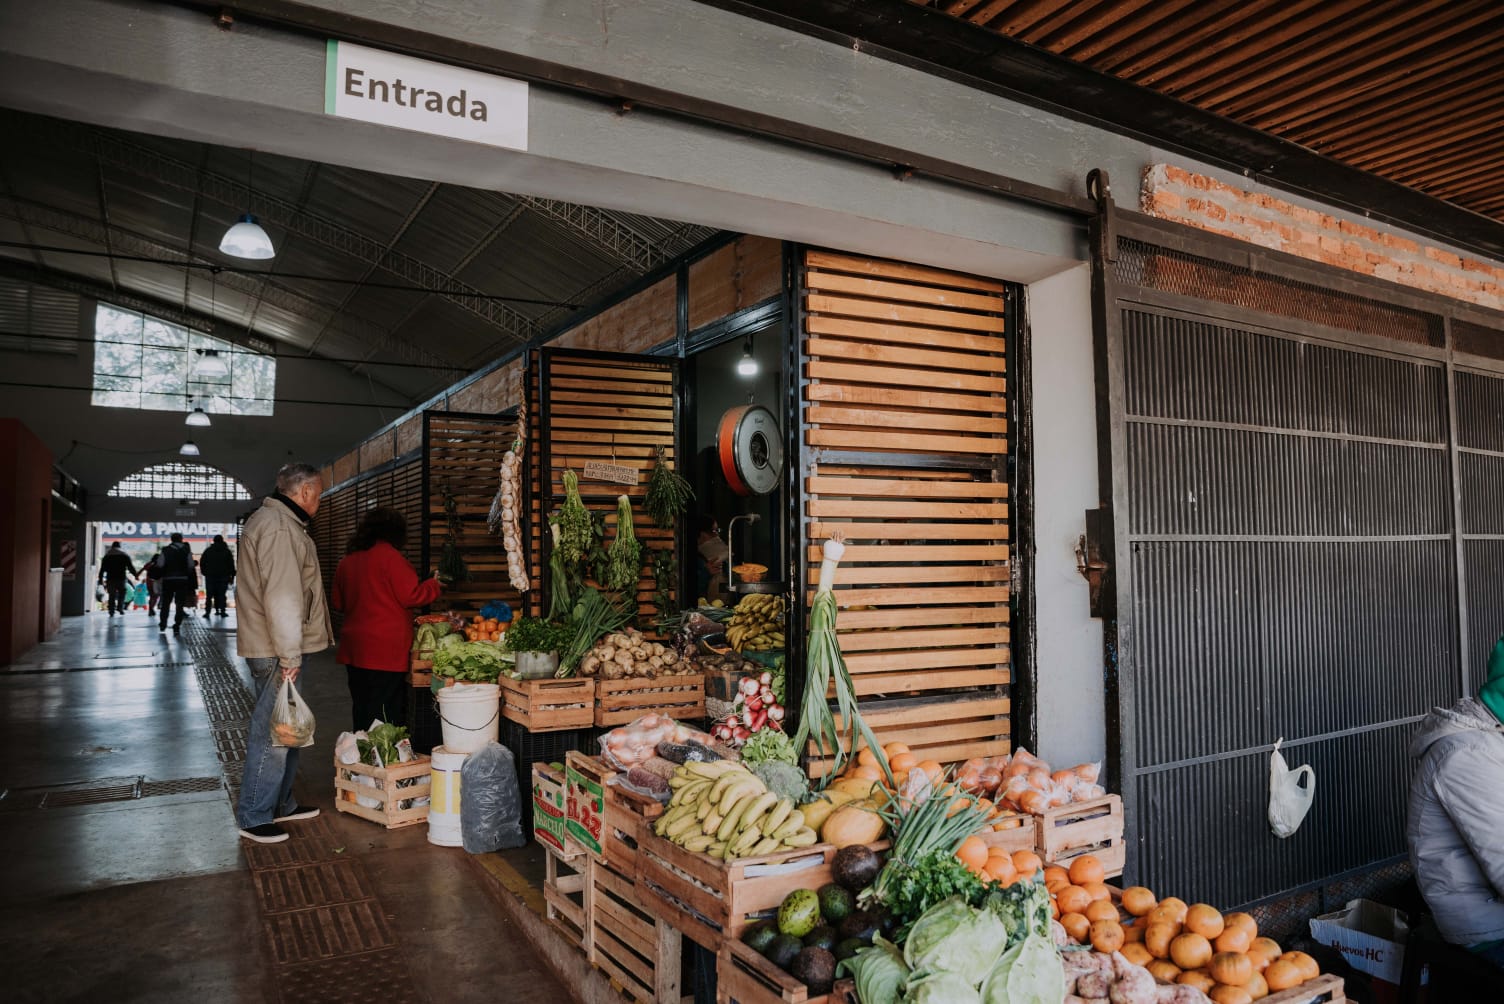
point(218, 566)
point(179, 583)
point(113, 569)
point(153, 572)
point(282, 617)
point(376, 589)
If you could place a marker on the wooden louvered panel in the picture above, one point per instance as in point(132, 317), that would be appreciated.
point(617, 409)
point(463, 458)
point(399, 487)
point(905, 424)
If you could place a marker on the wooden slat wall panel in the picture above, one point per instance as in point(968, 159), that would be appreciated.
point(464, 457)
point(399, 487)
point(601, 407)
point(906, 361)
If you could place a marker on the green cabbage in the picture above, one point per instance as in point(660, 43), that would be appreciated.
point(1028, 973)
point(879, 973)
point(952, 937)
point(944, 988)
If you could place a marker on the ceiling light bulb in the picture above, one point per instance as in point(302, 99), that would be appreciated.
point(198, 418)
point(246, 239)
point(188, 449)
point(746, 365)
point(210, 366)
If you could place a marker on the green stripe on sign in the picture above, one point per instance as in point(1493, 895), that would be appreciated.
point(331, 61)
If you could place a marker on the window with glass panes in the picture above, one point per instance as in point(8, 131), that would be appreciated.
point(187, 482)
point(142, 361)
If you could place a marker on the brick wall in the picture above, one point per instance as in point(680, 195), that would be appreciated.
point(1173, 193)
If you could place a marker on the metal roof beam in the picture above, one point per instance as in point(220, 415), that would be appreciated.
point(607, 234)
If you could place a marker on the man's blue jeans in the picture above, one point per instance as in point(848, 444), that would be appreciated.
point(266, 787)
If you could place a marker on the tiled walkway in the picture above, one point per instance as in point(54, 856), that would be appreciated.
point(125, 880)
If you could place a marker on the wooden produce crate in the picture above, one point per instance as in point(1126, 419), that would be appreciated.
point(420, 672)
point(1019, 833)
point(1094, 827)
point(585, 782)
point(619, 702)
point(566, 895)
point(388, 813)
point(746, 977)
point(551, 811)
point(707, 898)
point(639, 951)
point(628, 815)
point(548, 705)
point(1323, 989)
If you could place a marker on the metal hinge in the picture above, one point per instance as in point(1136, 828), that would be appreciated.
point(1091, 560)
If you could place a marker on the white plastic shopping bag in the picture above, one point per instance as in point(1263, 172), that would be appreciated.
point(292, 721)
point(1288, 800)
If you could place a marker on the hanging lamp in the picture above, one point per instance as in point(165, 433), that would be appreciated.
point(210, 365)
point(198, 418)
point(747, 365)
point(246, 238)
point(188, 449)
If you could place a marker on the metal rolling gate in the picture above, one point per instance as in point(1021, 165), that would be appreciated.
point(1304, 477)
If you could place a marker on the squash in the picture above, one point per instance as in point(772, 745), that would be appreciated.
point(855, 823)
point(857, 787)
point(818, 811)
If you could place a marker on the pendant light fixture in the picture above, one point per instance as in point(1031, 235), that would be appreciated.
point(198, 417)
point(246, 238)
point(188, 449)
point(747, 365)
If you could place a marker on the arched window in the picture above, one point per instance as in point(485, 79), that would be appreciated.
point(190, 482)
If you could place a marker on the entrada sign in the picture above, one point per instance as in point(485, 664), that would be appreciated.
point(407, 93)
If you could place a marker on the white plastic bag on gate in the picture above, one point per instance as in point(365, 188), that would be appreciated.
point(1288, 801)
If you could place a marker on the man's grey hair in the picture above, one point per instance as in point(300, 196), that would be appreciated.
point(294, 476)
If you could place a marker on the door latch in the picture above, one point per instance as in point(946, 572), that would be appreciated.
point(1091, 561)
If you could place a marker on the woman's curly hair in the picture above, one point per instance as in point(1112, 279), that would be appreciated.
point(376, 524)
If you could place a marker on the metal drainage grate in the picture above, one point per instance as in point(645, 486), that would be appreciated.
point(182, 786)
point(101, 790)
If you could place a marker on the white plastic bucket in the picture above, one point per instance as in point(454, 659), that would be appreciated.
point(444, 798)
point(470, 715)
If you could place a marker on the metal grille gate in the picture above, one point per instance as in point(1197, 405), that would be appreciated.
point(1308, 543)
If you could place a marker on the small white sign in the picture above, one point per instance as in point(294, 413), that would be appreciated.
point(407, 93)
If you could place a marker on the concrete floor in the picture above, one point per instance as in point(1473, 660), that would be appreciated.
point(156, 898)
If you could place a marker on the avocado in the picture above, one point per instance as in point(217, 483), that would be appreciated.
point(823, 936)
point(760, 935)
point(836, 902)
point(855, 867)
point(861, 925)
point(816, 969)
point(784, 949)
point(884, 918)
point(847, 949)
point(799, 913)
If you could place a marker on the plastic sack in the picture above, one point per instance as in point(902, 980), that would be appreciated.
point(1288, 801)
point(490, 803)
point(292, 719)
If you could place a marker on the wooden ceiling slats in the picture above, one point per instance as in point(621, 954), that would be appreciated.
point(1410, 90)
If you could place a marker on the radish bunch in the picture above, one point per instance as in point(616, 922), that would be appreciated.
point(756, 709)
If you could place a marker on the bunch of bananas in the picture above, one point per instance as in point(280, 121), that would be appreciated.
point(724, 810)
point(757, 624)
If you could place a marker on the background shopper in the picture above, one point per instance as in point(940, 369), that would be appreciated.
point(179, 583)
point(113, 569)
point(376, 589)
point(218, 566)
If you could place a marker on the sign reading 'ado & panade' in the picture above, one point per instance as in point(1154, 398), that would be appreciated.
point(408, 93)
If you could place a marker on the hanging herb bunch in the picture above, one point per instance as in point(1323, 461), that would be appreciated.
point(668, 494)
point(451, 566)
point(575, 531)
point(665, 571)
point(624, 559)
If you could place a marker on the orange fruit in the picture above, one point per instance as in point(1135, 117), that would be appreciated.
point(1085, 870)
point(1175, 905)
point(1157, 938)
point(1054, 906)
point(1163, 970)
point(1203, 920)
point(1098, 890)
point(1232, 939)
point(1106, 936)
point(1027, 863)
point(867, 772)
point(1073, 899)
point(1001, 866)
point(1190, 950)
point(1266, 949)
point(1162, 914)
point(1136, 954)
point(973, 853)
point(866, 758)
point(903, 761)
point(1197, 978)
point(1283, 974)
point(1257, 988)
point(894, 749)
point(1232, 968)
point(1054, 873)
point(1145, 922)
point(1307, 965)
point(1222, 993)
point(1133, 935)
point(1243, 921)
point(932, 768)
point(1075, 925)
point(1138, 901)
point(1101, 909)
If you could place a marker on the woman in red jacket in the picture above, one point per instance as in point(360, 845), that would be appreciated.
point(376, 589)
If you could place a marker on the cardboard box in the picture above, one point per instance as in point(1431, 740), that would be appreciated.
point(585, 780)
point(1370, 936)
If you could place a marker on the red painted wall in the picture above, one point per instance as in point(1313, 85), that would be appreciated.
point(25, 518)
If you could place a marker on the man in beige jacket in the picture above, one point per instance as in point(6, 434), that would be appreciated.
point(281, 617)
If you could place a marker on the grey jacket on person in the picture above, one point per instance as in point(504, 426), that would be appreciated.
point(280, 608)
point(1456, 826)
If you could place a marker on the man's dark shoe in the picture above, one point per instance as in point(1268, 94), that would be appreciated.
point(301, 812)
point(266, 833)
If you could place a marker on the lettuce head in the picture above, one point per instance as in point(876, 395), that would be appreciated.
point(954, 938)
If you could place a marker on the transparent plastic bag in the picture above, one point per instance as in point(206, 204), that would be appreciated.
point(490, 802)
point(1288, 801)
point(292, 720)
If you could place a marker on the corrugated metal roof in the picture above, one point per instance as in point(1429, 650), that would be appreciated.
point(1410, 90)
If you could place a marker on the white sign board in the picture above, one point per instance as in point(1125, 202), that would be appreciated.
point(407, 93)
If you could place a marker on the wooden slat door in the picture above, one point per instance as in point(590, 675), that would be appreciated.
point(905, 443)
point(462, 454)
point(607, 407)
